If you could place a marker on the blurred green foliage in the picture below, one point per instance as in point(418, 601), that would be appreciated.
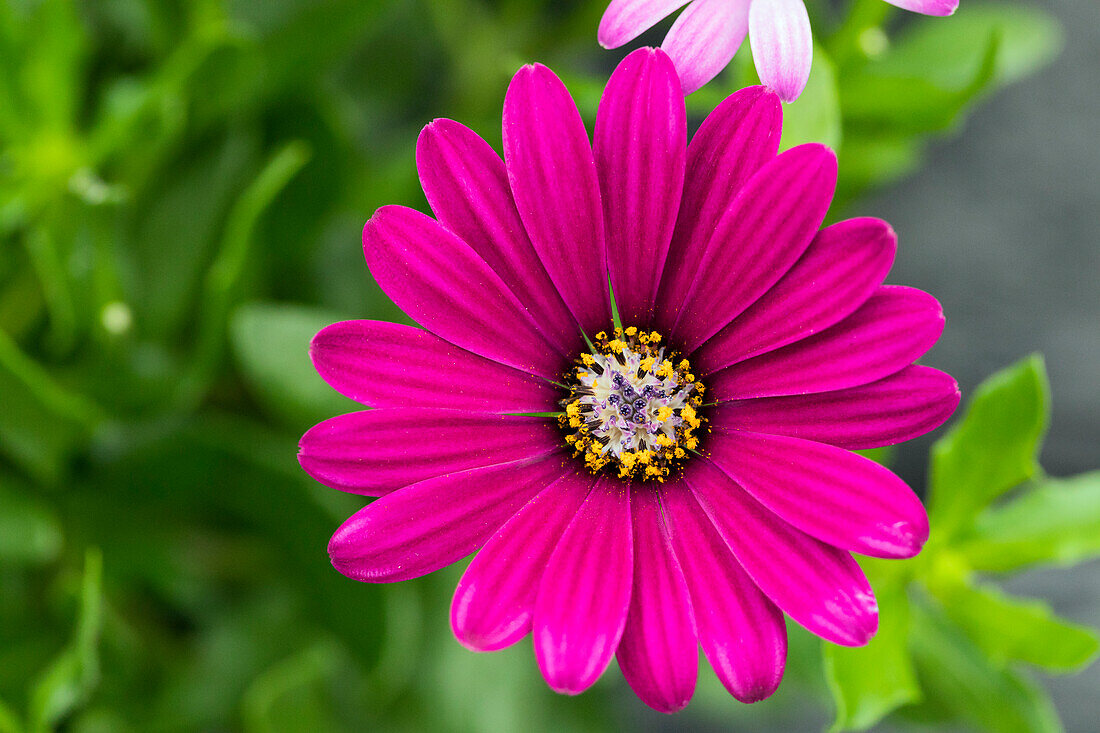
point(182, 184)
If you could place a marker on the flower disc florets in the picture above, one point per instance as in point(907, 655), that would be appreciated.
point(633, 406)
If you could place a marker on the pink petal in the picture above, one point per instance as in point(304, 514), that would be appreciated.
point(839, 497)
point(658, 653)
point(782, 45)
point(495, 599)
point(819, 586)
point(734, 141)
point(928, 7)
point(467, 186)
point(704, 39)
point(902, 406)
point(377, 451)
point(839, 271)
point(390, 365)
point(741, 631)
point(640, 143)
point(887, 333)
point(553, 178)
point(442, 284)
point(582, 603)
point(763, 233)
point(625, 20)
point(436, 522)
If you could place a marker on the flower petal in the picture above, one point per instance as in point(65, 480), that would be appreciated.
point(582, 603)
point(444, 286)
point(553, 178)
point(782, 45)
point(625, 20)
point(658, 652)
point(390, 365)
point(770, 224)
point(839, 271)
point(467, 186)
point(436, 522)
point(829, 493)
point(495, 599)
point(902, 406)
point(887, 333)
point(819, 586)
point(928, 7)
point(704, 39)
point(640, 144)
point(741, 631)
point(734, 141)
point(377, 451)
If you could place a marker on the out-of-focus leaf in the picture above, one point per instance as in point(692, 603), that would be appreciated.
point(867, 683)
point(29, 531)
point(292, 695)
point(949, 53)
point(1011, 629)
point(41, 422)
point(9, 721)
point(1056, 522)
point(67, 684)
point(271, 344)
point(815, 116)
point(960, 683)
point(907, 102)
point(993, 448)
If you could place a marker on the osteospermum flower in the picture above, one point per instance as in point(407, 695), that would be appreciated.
point(708, 33)
point(639, 490)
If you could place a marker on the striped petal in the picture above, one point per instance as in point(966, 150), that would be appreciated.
point(705, 38)
point(782, 45)
point(625, 20)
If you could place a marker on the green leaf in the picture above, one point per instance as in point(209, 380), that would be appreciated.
point(68, 682)
point(292, 695)
point(994, 447)
point(961, 684)
point(29, 531)
point(948, 53)
point(867, 683)
point(1057, 522)
point(9, 721)
point(271, 345)
point(815, 116)
point(1010, 629)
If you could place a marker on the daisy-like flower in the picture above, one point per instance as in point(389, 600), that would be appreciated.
point(708, 33)
point(634, 491)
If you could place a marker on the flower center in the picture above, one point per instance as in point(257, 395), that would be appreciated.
point(633, 406)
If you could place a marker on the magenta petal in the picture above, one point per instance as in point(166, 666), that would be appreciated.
point(741, 631)
point(442, 284)
point(495, 599)
point(657, 653)
point(390, 365)
point(782, 45)
point(436, 522)
point(928, 7)
point(582, 603)
point(625, 20)
point(819, 586)
point(553, 178)
point(467, 186)
point(377, 451)
point(902, 406)
point(839, 271)
point(640, 143)
point(704, 39)
point(891, 330)
point(837, 496)
point(734, 141)
point(770, 224)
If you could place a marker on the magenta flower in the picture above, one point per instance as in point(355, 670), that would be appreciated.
point(634, 492)
point(708, 33)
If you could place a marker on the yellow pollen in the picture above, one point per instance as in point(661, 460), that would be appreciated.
point(632, 331)
point(588, 359)
point(617, 346)
point(647, 363)
point(664, 413)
